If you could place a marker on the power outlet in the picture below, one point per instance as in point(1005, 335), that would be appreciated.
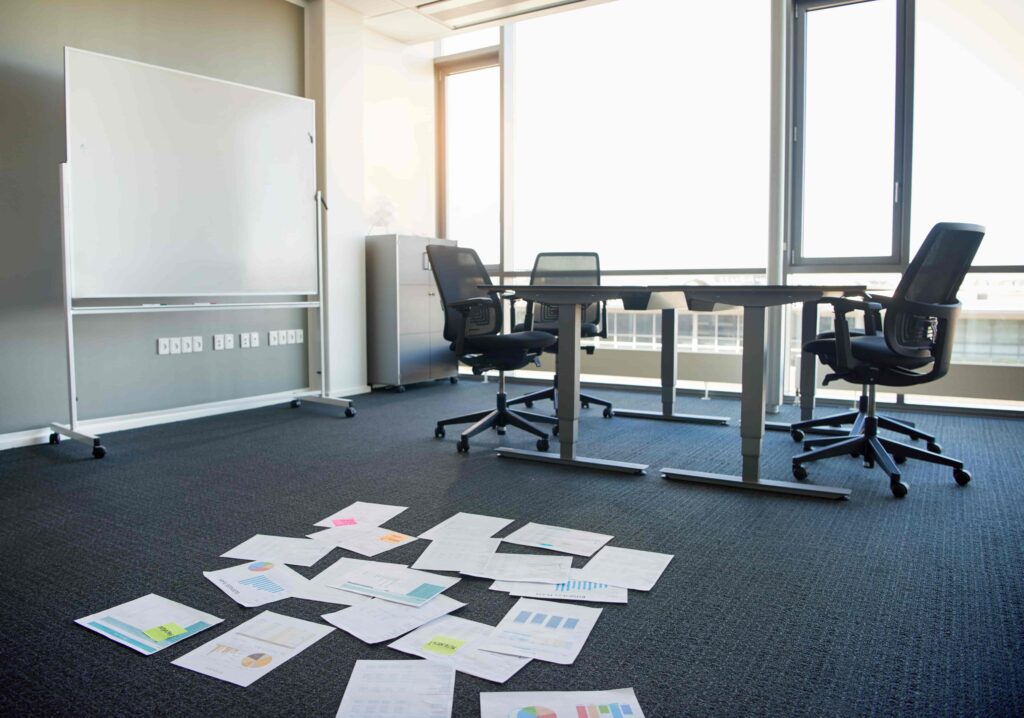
point(291, 336)
point(229, 341)
point(197, 344)
point(175, 345)
point(254, 339)
point(186, 345)
point(299, 336)
point(272, 338)
point(244, 340)
point(218, 342)
point(163, 345)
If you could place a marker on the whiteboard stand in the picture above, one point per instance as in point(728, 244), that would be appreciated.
point(71, 430)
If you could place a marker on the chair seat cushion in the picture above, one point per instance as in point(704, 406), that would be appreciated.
point(516, 341)
point(871, 349)
point(587, 330)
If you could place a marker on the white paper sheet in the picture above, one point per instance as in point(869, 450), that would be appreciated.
point(575, 589)
point(544, 630)
point(364, 540)
point(620, 703)
point(399, 689)
point(557, 538)
point(166, 621)
point(463, 525)
point(257, 583)
point(626, 567)
point(394, 583)
point(450, 553)
point(253, 649)
point(362, 513)
point(378, 620)
point(320, 587)
point(522, 567)
point(280, 549)
point(455, 641)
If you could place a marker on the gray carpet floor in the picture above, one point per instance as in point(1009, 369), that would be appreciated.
point(774, 605)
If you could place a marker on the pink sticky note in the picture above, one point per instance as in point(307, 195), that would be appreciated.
point(344, 522)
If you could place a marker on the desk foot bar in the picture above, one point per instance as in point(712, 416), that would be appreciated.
point(330, 401)
point(779, 487)
point(681, 418)
point(816, 430)
point(582, 462)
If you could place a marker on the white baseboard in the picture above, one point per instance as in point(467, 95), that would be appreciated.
point(110, 424)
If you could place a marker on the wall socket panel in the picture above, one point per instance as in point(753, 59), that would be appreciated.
point(218, 342)
point(254, 339)
point(197, 344)
point(179, 345)
point(272, 338)
point(280, 337)
point(175, 345)
point(229, 341)
point(243, 340)
point(186, 345)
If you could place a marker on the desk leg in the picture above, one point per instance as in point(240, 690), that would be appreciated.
point(752, 425)
point(669, 375)
point(570, 317)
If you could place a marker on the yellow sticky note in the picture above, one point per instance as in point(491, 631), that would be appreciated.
point(393, 538)
point(443, 645)
point(167, 630)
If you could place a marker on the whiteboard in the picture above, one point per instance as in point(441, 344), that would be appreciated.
point(183, 185)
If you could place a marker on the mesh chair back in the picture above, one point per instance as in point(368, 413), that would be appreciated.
point(565, 268)
point(457, 272)
point(933, 277)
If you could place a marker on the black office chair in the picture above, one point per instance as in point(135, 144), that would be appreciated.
point(920, 319)
point(472, 323)
point(559, 269)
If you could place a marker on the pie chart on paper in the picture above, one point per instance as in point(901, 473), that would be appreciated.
point(533, 712)
point(260, 566)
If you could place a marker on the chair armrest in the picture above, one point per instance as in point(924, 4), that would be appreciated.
point(465, 307)
point(841, 306)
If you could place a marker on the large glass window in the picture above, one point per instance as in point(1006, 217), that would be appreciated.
point(968, 120)
point(640, 130)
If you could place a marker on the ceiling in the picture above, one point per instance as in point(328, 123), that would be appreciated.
point(415, 21)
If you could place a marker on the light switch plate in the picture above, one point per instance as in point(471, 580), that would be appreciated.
point(300, 336)
point(218, 342)
point(175, 345)
point(197, 344)
point(272, 338)
point(186, 345)
point(229, 341)
point(243, 339)
point(254, 339)
point(163, 345)
point(291, 336)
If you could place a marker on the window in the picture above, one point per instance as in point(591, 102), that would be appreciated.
point(640, 130)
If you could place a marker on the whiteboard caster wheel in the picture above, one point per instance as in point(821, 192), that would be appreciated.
point(296, 403)
point(98, 452)
point(55, 438)
point(542, 445)
point(463, 446)
point(350, 412)
point(962, 476)
point(438, 432)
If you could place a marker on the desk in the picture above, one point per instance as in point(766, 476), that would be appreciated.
point(753, 299)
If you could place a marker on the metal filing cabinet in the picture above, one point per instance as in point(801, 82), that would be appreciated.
point(404, 320)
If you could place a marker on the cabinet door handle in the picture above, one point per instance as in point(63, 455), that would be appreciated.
point(426, 262)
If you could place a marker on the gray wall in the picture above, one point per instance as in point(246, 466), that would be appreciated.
point(256, 42)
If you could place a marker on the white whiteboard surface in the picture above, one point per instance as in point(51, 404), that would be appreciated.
point(182, 185)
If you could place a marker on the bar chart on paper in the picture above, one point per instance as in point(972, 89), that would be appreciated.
point(533, 712)
point(543, 619)
point(262, 583)
point(609, 710)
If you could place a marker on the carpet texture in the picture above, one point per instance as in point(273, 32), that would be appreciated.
point(774, 605)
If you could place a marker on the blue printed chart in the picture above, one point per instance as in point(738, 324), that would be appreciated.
point(619, 703)
point(576, 588)
point(543, 630)
point(149, 624)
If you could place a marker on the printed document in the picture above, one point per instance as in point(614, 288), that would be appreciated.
point(364, 540)
point(522, 567)
point(150, 623)
point(394, 583)
point(282, 549)
point(451, 553)
point(544, 630)
point(399, 689)
point(626, 567)
point(362, 513)
point(463, 524)
point(556, 538)
point(378, 620)
point(257, 583)
point(575, 589)
point(621, 703)
point(250, 651)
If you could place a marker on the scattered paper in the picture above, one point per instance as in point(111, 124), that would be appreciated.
point(455, 641)
point(253, 649)
point(544, 630)
point(257, 583)
point(626, 567)
point(621, 703)
point(394, 583)
point(149, 623)
point(364, 540)
point(319, 587)
point(522, 567)
point(448, 553)
point(362, 513)
point(575, 589)
point(556, 538)
point(464, 525)
point(399, 689)
point(282, 549)
point(378, 620)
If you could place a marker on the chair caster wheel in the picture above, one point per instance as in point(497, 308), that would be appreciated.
point(453, 380)
point(799, 472)
point(528, 404)
point(463, 446)
point(607, 413)
point(55, 438)
point(934, 448)
point(438, 432)
point(542, 445)
point(350, 412)
point(900, 459)
point(295, 404)
point(501, 430)
point(962, 476)
point(98, 452)
point(554, 430)
point(585, 404)
point(797, 435)
point(898, 488)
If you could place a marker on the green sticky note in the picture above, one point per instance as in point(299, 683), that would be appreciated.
point(167, 630)
point(443, 645)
